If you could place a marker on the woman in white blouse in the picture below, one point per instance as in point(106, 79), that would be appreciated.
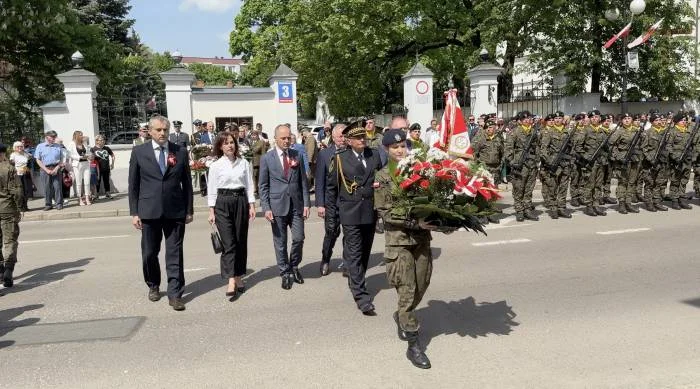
point(79, 154)
point(20, 159)
point(231, 201)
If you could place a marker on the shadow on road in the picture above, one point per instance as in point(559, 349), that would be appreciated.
point(203, 286)
point(465, 318)
point(47, 274)
point(7, 324)
point(693, 302)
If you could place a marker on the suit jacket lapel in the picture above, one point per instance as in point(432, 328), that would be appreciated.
point(151, 154)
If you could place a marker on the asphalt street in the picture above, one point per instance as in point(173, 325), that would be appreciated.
point(607, 302)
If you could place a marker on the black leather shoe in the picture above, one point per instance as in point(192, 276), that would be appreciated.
point(177, 304)
point(553, 214)
point(520, 217)
point(7, 280)
point(590, 211)
point(675, 205)
point(325, 269)
point(530, 215)
point(622, 209)
point(631, 208)
point(493, 219)
point(287, 281)
point(650, 207)
point(415, 354)
point(296, 276)
point(575, 202)
point(401, 333)
point(154, 294)
point(684, 203)
point(660, 207)
point(600, 211)
point(564, 213)
point(609, 200)
point(368, 310)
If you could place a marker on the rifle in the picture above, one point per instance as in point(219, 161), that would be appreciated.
point(662, 144)
point(689, 145)
point(557, 159)
point(528, 144)
point(604, 143)
point(633, 143)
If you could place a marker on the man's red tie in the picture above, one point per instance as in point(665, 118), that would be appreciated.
point(285, 164)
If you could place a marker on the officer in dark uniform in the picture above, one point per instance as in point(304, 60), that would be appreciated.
point(350, 195)
point(178, 137)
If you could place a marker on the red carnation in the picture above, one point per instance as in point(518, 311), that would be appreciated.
point(443, 174)
point(425, 184)
point(171, 159)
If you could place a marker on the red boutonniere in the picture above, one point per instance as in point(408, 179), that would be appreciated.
point(293, 162)
point(171, 159)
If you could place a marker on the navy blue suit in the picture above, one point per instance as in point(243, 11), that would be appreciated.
point(161, 201)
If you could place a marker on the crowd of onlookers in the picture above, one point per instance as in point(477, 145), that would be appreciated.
point(71, 171)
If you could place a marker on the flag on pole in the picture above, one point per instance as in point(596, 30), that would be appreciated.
point(645, 37)
point(454, 137)
point(151, 103)
point(625, 30)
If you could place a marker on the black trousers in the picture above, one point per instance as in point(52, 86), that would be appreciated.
point(332, 232)
point(231, 212)
point(27, 188)
point(357, 245)
point(151, 235)
point(103, 177)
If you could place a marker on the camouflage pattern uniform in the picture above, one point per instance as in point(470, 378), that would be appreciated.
point(592, 172)
point(655, 172)
point(577, 184)
point(625, 173)
point(522, 177)
point(555, 178)
point(489, 151)
point(10, 200)
point(607, 175)
point(680, 170)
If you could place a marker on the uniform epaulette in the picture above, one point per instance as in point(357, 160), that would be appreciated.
point(339, 151)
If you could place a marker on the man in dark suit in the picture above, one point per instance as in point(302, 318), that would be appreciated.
point(284, 197)
point(161, 203)
point(178, 137)
point(331, 221)
point(351, 180)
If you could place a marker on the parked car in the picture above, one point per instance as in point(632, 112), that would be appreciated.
point(123, 138)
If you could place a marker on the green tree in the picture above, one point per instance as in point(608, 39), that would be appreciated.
point(211, 74)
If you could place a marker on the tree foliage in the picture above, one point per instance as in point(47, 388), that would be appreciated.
point(355, 51)
point(211, 74)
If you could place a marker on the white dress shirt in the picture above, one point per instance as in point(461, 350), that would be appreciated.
point(364, 163)
point(156, 151)
point(280, 155)
point(227, 174)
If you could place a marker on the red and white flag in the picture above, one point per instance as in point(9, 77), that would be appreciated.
point(151, 103)
point(454, 137)
point(645, 37)
point(625, 30)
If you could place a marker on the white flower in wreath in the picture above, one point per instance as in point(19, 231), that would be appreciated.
point(436, 155)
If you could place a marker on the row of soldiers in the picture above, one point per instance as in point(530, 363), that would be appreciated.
point(643, 152)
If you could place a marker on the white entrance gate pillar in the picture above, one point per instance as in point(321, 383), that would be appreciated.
point(418, 95)
point(483, 82)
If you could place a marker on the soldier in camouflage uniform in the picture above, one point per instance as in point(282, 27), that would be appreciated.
point(522, 155)
point(680, 165)
point(10, 200)
point(374, 137)
point(576, 184)
point(640, 121)
point(555, 146)
point(488, 149)
point(696, 176)
point(409, 262)
point(608, 126)
point(592, 171)
point(655, 166)
point(625, 159)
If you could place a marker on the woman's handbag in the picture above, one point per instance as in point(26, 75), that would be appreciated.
point(67, 179)
point(216, 240)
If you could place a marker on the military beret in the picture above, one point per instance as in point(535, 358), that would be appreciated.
point(51, 133)
point(355, 129)
point(679, 117)
point(523, 115)
point(177, 123)
point(579, 116)
point(551, 116)
point(414, 126)
point(637, 117)
point(393, 135)
point(559, 114)
point(490, 122)
point(625, 115)
point(594, 112)
point(654, 116)
point(197, 122)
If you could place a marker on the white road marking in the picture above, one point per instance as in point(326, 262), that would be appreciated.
point(70, 239)
point(497, 227)
point(627, 231)
point(195, 269)
point(500, 242)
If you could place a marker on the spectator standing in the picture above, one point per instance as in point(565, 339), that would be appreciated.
point(104, 157)
point(20, 159)
point(231, 206)
point(81, 167)
point(48, 156)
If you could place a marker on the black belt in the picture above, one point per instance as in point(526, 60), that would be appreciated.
point(54, 165)
point(231, 192)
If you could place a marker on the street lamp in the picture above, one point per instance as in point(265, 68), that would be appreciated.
point(636, 7)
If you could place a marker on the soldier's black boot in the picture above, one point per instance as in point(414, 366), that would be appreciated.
point(683, 202)
point(600, 210)
point(575, 202)
point(520, 217)
point(660, 207)
point(402, 334)
point(553, 214)
point(675, 205)
point(622, 208)
point(631, 208)
point(563, 212)
point(414, 353)
point(590, 211)
point(530, 215)
point(635, 199)
point(608, 200)
point(493, 219)
point(483, 220)
point(7, 280)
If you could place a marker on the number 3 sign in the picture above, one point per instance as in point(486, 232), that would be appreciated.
point(285, 92)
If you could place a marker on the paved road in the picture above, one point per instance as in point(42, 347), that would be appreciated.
point(600, 302)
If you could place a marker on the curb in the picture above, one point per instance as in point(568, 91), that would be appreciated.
point(68, 214)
